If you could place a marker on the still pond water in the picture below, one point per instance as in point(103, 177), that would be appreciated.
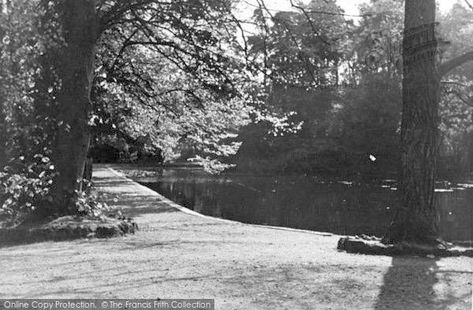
point(305, 202)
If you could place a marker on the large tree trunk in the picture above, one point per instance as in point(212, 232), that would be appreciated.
point(416, 219)
point(80, 30)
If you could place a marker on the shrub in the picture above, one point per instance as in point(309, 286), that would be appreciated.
point(25, 192)
point(25, 186)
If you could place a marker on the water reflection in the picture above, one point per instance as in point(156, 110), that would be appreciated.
point(304, 202)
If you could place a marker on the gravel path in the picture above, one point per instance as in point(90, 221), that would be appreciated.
point(179, 254)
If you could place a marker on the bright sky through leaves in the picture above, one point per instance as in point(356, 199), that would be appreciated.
point(350, 6)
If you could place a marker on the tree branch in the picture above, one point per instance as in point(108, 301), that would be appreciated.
point(469, 4)
point(303, 59)
point(119, 9)
point(314, 11)
point(468, 100)
point(309, 20)
point(451, 64)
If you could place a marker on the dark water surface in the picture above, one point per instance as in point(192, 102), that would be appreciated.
point(305, 202)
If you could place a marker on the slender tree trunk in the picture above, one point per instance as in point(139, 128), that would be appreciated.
point(2, 106)
point(468, 158)
point(416, 219)
point(3, 138)
point(5, 7)
point(80, 28)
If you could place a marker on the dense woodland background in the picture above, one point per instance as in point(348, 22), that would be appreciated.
point(302, 92)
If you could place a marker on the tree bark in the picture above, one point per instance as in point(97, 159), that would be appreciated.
point(3, 137)
point(80, 31)
point(416, 219)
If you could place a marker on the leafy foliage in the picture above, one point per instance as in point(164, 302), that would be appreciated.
point(176, 79)
point(25, 185)
point(301, 48)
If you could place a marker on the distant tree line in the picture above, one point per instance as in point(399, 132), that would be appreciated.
point(343, 83)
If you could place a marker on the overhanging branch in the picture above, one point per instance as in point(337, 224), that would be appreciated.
point(309, 20)
point(449, 65)
point(469, 4)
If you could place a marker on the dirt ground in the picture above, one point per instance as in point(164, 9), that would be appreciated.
point(179, 254)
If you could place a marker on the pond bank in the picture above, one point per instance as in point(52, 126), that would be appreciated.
point(346, 207)
point(181, 254)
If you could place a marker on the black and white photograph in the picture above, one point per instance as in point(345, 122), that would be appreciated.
point(236, 154)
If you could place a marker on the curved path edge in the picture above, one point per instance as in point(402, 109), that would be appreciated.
point(183, 209)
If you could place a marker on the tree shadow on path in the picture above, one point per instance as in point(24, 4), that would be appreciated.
point(409, 284)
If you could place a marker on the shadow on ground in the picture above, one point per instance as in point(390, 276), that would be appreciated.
point(132, 204)
point(409, 285)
